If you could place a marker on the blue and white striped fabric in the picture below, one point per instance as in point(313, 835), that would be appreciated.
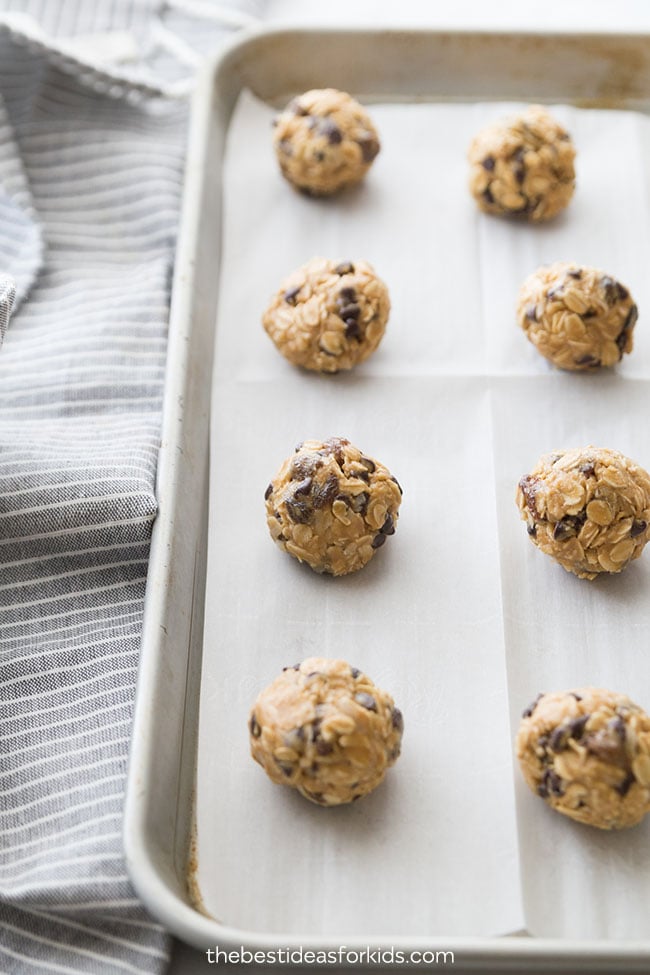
point(91, 165)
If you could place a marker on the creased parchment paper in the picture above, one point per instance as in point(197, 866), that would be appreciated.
point(458, 616)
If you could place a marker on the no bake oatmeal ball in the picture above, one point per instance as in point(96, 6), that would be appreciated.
point(323, 728)
point(588, 508)
point(578, 317)
point(587, 753)
point(324, 141)
point(523, 166)
point(328, 315)
point(331, 506)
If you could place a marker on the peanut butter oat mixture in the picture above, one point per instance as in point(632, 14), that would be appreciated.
point(324, 141)
point(322, 727)
point(328, 315)
point(523, 166)
point(587, 753)
point(578, 317)
point(332, 507)
point(589, 509)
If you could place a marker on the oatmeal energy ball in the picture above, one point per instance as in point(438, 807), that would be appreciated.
point(523, 166)
point(589, 509)
point(328, 315)
point(332, 507)
point(587, 753)
point(578, 317)
point(323, 728)
point(324, 141)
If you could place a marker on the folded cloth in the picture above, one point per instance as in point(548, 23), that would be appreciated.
point(91, 165)
point(7, 298)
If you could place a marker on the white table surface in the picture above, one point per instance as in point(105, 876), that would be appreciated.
point(611, 16)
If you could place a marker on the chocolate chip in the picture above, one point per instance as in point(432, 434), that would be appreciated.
point(346, 296)
point(607, 745)
point(345, 267)
point(556, 292)
point(304, 487)
point(352, 330)
point(369, 465)
point(625, 785)
point(578, 697)
point(349, 311)
point(378, 540)
point(369, 149)
point(488, 163)
point(325, 493)
point(638, 528)
point(568, 527)
point(324, 747)
point(529, 486)
point(394, 479)
point(622, 292)
point(254, 726)
point(291, 294)
point(531, 313)
point(366, 701)
point(577, 274)
point(331, 131)
point(587, 469)
point(551, 784)
point(286, 768)
point(298, 511)
point(577, 726)
point(557, 739)
point(388, 528)
point(531, 707)
point(487, 195)
point(268, 492)
point(355, 672)
point(617, 725)
point(519, 170)
point(531, 529)
point(397, 720)
point(319, 156)
point(591, 361)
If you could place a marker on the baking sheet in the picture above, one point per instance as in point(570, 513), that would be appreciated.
point(454, 616)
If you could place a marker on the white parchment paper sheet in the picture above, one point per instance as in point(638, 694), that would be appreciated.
point(458, 404)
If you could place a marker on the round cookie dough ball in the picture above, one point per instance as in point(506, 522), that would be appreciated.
point(332, 507)
point(328, 315)
point(588, 508)
point(324, 141)
point(587, 753)
point(578, 317)
point(523, 166)
point(323, 728)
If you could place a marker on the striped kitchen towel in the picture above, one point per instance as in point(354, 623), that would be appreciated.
point(7, 298)
point(91, 169)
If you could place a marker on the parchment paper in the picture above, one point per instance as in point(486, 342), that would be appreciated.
point(458, 616)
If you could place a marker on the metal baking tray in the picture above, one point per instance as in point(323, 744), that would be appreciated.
point(581, 69)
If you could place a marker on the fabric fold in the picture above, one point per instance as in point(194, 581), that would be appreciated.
point(7, 298)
